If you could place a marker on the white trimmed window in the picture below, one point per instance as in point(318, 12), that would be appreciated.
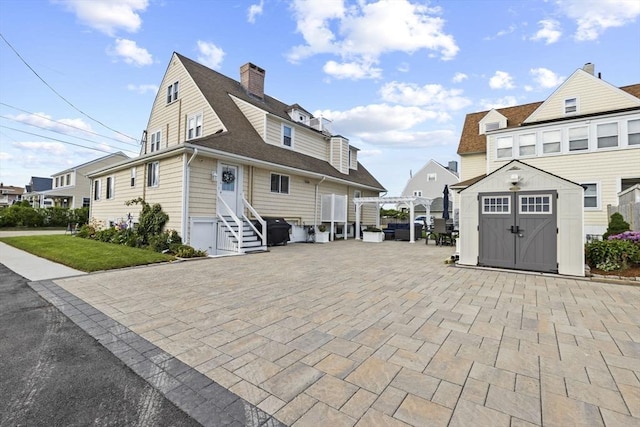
point(57, 181)
point(633, 131)
point(111, 187)
point(194, 126)
point(608, 135)
point(287, 136)
point(491, 126)
point(432, 177)
point(279, 183)
point(536, 204)
point(172, 93)
point(133, 177)
point(579, 139)
point(571, 106)
point(86, 202)
point(591, 199)
point(417, 193)
point(551, 142)
point(527, 146)
point(496, 205)
point(504, 146)
point(68, 179)
point(96, 189)
point(153, 174)
point(155, 141)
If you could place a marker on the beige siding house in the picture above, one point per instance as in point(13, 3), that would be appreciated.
point(220, 155)
point(587, 132)
point(71, 187)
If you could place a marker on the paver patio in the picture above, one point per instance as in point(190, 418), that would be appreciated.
point(352, 333)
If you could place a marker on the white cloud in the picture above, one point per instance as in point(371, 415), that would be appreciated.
point(108, 16)
point(255, 10)
point(130, 53)
point(409, 139)
point(403, 67)
point(431, 95)
point(142, 89)
point(51, 148)
point(507, 101)
point(210, 54)
point(501, 80)
point(550, 31)
point(502, 33)
point(594, 17)
point(352, 70)
point(459, 77)
point(45, 121)
point(546, 78)
point(362, 32)
point(380, 118)
point(6, 156)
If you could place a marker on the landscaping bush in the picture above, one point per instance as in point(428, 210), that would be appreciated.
point(23, 215)
point(617, 225)
point(614, 254)
point(185, 251)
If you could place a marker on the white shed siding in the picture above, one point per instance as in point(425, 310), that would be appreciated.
point(593, 96)
point(171, 119)
point(255, 115)
point(569, 216)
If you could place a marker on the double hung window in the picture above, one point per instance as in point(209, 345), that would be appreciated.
point(153, 174)
point(194, 126)
point(608, 135)
point(527, 145)
point(579, 139)
point(551, 142)
point(633, 131)
point(279, 183)
point(172, 92)
point(287, 136)
point(504, 145)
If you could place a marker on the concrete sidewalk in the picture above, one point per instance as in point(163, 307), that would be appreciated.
point(33, 267)
point(350, 333)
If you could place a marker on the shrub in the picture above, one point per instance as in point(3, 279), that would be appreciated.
point(617, 225)
point(615, 254)
point(185, 251)
point(152, 220)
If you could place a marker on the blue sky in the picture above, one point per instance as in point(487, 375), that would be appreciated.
point(396, 77)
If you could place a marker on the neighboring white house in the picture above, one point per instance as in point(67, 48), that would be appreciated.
point(587, 131)
point(71, 188)
point(429, 182)
point(220, 155)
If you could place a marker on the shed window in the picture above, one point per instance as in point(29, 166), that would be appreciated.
point(496, 205)
point(532, 204)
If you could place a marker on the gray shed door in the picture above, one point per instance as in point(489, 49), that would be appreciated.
point(519, 230)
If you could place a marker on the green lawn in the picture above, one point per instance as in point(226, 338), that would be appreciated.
point(84, 254)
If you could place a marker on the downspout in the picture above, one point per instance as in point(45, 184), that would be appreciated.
point(315, 210)
point(186, 176)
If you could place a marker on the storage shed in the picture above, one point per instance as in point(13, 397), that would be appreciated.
point(521, 217)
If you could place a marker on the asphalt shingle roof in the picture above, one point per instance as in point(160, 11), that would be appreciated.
point(242, 139)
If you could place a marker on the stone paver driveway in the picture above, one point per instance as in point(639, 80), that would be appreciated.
point(353, 333)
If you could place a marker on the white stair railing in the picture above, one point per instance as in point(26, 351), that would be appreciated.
point(262, 233)
point(227, 244)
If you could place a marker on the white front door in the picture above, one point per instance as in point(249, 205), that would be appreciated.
point(228, 185)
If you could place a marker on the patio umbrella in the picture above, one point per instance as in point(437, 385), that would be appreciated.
point(445, 202)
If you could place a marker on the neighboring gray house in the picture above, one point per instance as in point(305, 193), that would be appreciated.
point(34, 190)
point(429, 182)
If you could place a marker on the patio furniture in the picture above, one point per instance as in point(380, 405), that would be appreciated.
point(444, 232)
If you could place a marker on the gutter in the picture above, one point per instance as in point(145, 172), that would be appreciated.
point(186, 176)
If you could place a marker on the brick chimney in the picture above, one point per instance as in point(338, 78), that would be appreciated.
point(252, 79)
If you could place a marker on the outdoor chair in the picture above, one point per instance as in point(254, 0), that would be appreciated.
point(442, 231)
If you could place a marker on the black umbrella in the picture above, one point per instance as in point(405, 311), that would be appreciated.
point(445, 202)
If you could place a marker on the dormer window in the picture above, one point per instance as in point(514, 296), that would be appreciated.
point(571, 106)
point(172, 93)
point(491, 126)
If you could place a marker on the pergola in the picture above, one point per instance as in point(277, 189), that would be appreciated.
point(411, 201)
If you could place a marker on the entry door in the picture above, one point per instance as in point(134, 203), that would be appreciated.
point(519, 230)
point(228, 184)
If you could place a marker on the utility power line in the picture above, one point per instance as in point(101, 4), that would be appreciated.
point(64, 124)
point(57, 93)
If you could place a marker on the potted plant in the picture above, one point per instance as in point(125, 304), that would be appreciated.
point(372, 234)
point(322, 235)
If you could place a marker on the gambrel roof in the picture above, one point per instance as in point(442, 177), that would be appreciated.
point(472, 141)
point(242, 139)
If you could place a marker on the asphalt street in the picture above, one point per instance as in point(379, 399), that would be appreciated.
point(52, 373)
